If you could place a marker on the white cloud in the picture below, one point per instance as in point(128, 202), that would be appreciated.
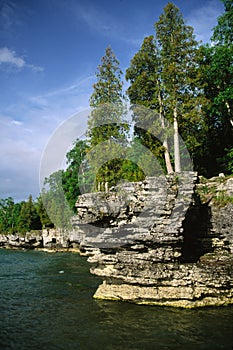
point(16, 122)
point(204, 19)
point(35, 68)
point(8, 56)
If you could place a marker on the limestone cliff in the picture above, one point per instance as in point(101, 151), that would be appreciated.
point(48, 239)
point(165, 241)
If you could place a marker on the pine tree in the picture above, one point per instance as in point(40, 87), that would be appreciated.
point(44, 218)
point(165, 76)
point(108, 88)
point(75, 176)
point(180, 75)
point(106, 125)
point(223, 31)
point(146, 89)
point(218, 76)
point(29, 218)
point(55, 202)
point(7, 215)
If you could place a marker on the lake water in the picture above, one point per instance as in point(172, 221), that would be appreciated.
point(42, 308)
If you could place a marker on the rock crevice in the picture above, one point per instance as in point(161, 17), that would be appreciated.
point(156, 242)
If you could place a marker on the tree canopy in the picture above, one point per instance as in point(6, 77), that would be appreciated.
point(178, 82)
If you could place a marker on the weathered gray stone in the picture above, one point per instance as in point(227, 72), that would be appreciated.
point(167, 240)
point(167, 248)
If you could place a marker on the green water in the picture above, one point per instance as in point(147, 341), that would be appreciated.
point(41, 308)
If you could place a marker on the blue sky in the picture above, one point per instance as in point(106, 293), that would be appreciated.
point(49, 52)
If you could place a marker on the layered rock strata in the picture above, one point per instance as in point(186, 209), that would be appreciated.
point(157, 242)
point(48, 239)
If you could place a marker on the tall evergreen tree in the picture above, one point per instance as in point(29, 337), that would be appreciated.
point(181, 77)
point(165, 76)
point(7, 218)
point(108, 88)
point(74, 176)
point(146, 89)
point(223, 31)
point(218, 76)
point(29, 218)
point(54, 201)
point(44, 218)
point(106, 122)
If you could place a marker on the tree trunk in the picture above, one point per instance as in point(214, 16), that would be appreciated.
point(165, 143)
point(167, 157)
point(176, 143)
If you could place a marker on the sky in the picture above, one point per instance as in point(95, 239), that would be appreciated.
point(49, 53)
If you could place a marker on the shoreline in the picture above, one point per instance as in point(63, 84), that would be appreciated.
point(48, 250)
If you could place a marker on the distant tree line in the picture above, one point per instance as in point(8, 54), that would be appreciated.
point(23, 216)
point(185, 83)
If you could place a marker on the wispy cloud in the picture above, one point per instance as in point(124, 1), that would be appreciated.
point(204, 19)
point(96, 20)
point(23, 138)
point(9, 57)
point(8, 15)
point(100, 21)
point(77, 87)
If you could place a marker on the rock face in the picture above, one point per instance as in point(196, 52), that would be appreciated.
point(167, 240)
point(51, 239)
point(159, 242)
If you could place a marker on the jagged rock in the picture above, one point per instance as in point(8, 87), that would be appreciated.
point(167, 240)
point(155, 242)
point(56, 239)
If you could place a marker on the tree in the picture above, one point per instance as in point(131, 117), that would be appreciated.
point(218, 75)
point(180, 75)
point(44, 218)
point(7, 217)
point(75, 175)
point(106, 122)
point(165, 76)
point(146, 89)
point(223, 32)
point(55, 202)
point(108, 88)
point(29, 218)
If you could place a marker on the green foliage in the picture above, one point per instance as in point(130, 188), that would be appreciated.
point(55, 202)
point(164, 75)
point(223, 32)
point(230, 161)
point(177, 80)
point(29, 218)
point(146, 89)
point(44, 218)
point(222, 199)
point(18, 217)
point(108, 88)
point(217, 71)
point(213, 190)
point(180, 76)
point(107, 127)
point(144, 74)
point(75, 175)
point(8, 215)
